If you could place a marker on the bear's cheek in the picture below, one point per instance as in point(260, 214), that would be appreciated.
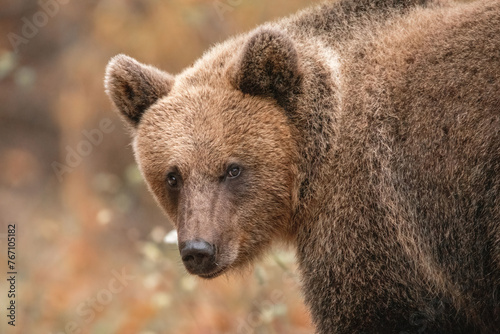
point(167, 200)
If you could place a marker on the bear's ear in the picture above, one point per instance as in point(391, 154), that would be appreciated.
point(133, 87)
point(268, 66)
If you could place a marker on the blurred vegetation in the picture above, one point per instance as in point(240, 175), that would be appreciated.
point(97, 219)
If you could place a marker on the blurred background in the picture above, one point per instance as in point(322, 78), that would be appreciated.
point(90, 249)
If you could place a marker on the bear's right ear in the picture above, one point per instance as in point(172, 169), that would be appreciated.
point(133, 87)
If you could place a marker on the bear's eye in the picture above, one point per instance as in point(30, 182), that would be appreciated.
point(173, 180)
point(233, 171)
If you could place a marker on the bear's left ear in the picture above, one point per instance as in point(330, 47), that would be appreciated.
point(133, 87)
point(268, 66)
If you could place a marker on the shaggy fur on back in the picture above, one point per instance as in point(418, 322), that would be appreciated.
point(378, 123)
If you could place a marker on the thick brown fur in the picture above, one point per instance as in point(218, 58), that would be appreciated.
point(368, 133)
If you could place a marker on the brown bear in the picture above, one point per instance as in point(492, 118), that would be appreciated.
point(366, 134)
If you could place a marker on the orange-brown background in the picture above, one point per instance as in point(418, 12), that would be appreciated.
point(73, 233)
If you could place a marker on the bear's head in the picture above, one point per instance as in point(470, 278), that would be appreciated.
point(216, 146)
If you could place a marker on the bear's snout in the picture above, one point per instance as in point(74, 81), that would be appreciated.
point(198, 257)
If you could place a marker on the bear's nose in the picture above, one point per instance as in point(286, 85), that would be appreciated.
point(198, 256)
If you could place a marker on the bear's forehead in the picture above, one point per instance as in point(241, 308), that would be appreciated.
point(204, 129)
point(199, 131)
point(201, 119)
point(206, 114)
